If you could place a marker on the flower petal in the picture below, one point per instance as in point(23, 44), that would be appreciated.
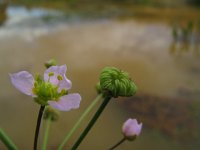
point(67, 102)
point(55, 69)
point(58, 70)
point(64, 84)
point(23, 81)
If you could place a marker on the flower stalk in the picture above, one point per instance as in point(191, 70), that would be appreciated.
point(37, 130)
point(46, 133)
point(86, 112)
point(92, 122)
point(7, 141)
point(118, 143)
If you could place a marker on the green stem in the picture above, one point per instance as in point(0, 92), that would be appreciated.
point(37, 130)
point(91, 123)
point(94, 102)
point(118, 143)
point(7, 141)
point(46, 133)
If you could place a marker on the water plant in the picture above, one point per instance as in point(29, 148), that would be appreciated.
point(51, 92)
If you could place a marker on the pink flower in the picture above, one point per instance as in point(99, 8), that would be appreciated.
point(131, 129)
point(52, 90)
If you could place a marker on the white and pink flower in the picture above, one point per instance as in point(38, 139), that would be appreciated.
point(52, 90)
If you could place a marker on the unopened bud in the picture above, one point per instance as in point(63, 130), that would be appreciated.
point(49, 63)
point(116, 82)
point(51, 113)
point(131, 129)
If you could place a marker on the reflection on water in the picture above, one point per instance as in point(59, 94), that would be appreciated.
point(3, 7)
point(186, 38)
point(167, 101)
point(178, 118)
point(22, 14)
point(28, 23)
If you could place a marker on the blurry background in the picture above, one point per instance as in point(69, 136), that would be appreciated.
point(156, 41)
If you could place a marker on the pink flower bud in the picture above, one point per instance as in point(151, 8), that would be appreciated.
point(131, 129)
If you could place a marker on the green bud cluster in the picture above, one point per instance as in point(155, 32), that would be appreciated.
point(51, 113)
point(46, 91)
point(115, 82)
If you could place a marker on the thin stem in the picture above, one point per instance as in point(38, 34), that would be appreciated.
point(118, 143)
point(94, 102)
point(37, 130)
point(91, 123)
point(7, 141)
point(46, 133)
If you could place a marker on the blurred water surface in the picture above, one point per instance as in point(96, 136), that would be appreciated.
point(165, 66)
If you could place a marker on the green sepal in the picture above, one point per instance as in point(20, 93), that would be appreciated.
point(40, 101)
point(131, 138)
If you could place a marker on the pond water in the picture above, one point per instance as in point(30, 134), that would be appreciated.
point(164, 67)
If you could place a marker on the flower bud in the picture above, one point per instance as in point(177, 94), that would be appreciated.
point(49, 63)
point(116, 82)
point(51, 113)
point(131, 129)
